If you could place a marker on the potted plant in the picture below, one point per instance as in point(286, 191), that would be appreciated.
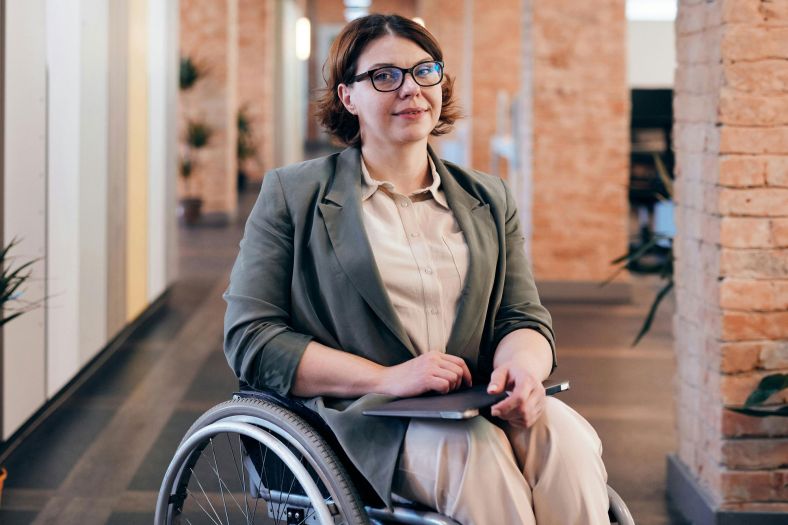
point(246, 148)
point(190, 73)
point(636, 255)
point(12, 305)
point(198, 135)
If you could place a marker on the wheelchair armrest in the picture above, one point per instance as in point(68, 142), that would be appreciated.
point(289, 403)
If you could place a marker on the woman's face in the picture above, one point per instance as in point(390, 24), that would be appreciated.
point(398, 117)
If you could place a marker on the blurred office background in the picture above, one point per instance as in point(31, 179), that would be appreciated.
point(135, 134)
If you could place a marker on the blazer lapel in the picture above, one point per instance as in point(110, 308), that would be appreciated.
point(481, 236)
point(342, 215)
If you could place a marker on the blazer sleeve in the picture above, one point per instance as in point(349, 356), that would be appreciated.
point(520, 305)
point(259, 343)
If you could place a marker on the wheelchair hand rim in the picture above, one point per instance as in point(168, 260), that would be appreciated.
point(250, 431)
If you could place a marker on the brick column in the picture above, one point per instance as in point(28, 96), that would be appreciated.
point(731, 325)
point(209, 35)
point(256, 79)
point(580, 139)
point(579, 115)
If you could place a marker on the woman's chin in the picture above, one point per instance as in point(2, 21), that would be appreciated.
point(409, 136)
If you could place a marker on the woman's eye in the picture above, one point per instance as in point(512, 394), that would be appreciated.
point(383, 76)
point(424, 71)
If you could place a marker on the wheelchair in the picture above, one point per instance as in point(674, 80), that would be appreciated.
point(264, 458)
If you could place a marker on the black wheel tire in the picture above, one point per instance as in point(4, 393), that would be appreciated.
point(322, 458)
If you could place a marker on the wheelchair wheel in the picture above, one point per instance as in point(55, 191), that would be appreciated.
point(250, 461)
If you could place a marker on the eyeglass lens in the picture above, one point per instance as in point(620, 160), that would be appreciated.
point(391, 78)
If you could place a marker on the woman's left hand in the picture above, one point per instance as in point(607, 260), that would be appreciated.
point(526, 400)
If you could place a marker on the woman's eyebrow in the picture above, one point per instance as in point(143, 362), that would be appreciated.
point(388, 64)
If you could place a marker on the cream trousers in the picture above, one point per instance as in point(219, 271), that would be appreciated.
point(478, 473)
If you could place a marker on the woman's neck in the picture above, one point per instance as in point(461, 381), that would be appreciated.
point(404, 166)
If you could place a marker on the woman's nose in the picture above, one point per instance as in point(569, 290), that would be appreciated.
point(409, 86)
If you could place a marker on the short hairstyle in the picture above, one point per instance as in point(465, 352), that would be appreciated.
point(341, 68)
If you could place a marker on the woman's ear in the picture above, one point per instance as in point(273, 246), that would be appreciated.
point(343, 91)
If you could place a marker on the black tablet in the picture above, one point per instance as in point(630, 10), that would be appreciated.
point(463, 404)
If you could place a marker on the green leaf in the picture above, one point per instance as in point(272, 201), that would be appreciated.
point(190, 73)
point(11, 317)
point(652, 312)
point(667, 181)
point(767, 387)
point(765, 411)
point(629, 257)
point(198, 134)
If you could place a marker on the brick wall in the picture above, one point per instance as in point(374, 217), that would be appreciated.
point(580, 115)
point(209, 35)
point(496, 60)
point(731, 325)
point(580, 138)
point(256, 80)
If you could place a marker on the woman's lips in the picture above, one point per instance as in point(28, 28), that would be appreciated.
point(410, 113)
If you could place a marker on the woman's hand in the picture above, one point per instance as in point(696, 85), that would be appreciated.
point(526, 400)
point(431, 371)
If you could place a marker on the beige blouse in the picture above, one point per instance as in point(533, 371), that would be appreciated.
point(421, 255)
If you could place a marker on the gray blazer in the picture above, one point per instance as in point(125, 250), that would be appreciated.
point(306, 272)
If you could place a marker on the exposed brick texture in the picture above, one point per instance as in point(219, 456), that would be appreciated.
point(731, 323)
point(581, 135)
point(256, 79)
point(581, 138)
point(208, 34)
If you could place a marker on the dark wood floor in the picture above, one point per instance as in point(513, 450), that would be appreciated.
point(99, 458)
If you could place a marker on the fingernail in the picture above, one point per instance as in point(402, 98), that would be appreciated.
point(492, 387)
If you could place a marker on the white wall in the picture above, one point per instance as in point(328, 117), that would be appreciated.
point(24, 206)
point(56, 134)
point(78, 90)
point(163, 62)
point(93, 179)
point(292, 73)
point(651, 53)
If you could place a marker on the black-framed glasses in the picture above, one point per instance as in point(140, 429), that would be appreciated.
point(391, 78)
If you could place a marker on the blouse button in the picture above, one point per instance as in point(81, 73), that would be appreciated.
point(414, 234)
point(427, 270)
point(404, 204)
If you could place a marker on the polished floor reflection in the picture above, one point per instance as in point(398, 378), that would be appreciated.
point(100, 457)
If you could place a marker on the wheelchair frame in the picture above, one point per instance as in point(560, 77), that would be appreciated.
point(238, 417)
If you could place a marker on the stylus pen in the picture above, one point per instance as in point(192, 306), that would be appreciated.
point(558, 387)
point(551, 389)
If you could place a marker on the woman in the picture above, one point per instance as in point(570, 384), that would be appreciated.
point(383, 271)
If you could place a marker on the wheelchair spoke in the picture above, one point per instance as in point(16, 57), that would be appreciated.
point(290, 490)
point(227, 488)
point(260, 481)
point(197, 501)
point(219, 522)
point(219, 478)
point(241, 473)
point(279, 506)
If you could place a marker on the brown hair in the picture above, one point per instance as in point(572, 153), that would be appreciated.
point(341, 67)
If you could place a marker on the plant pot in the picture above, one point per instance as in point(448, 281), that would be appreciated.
point(3, 475)
point(191, 210)
point(243, 181)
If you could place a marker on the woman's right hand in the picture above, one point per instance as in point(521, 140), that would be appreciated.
point(431, 371)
